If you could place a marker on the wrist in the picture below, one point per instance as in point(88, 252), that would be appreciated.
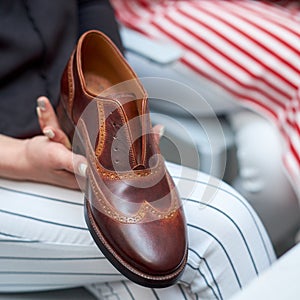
point(13, 161)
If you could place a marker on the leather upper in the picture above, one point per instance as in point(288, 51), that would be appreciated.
point(132, 196)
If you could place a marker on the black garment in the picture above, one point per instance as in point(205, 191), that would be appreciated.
point(36, 40)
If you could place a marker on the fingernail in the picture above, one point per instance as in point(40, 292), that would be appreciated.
point(82, 169)
point(38, 112)
point(41, 104)
point(161, 131)
point(49, 133)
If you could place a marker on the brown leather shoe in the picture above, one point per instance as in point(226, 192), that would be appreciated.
point(132, 207)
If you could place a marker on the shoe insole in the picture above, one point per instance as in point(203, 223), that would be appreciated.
point(95, 83)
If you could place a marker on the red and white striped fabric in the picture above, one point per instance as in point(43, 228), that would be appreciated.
point(250, 48)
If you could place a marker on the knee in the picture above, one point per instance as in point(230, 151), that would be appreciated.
point(259, 157)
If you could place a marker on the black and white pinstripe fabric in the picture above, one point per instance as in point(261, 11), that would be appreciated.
point(45, 244)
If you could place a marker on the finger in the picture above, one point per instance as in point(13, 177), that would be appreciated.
point(158, 131)
point(46, 113)
point(49, 123)
point(57, 135)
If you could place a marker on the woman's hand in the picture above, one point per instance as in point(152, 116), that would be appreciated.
point(58, 159)
point(51, 162)
point(46, 158)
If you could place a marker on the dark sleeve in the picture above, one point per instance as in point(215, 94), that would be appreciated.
point(99, 15)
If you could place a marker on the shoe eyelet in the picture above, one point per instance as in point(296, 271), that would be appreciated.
point(116, 149)
point(117, 161)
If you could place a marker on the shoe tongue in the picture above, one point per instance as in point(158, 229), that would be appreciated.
point(132, 108)
point(129, 104)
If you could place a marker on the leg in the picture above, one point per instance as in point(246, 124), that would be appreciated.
point(44, 240)
point(45, 243)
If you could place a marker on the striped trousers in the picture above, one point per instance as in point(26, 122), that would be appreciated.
point(45, 243)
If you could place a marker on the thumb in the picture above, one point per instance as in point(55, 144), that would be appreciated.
point(65, 159)
point(80, 165)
